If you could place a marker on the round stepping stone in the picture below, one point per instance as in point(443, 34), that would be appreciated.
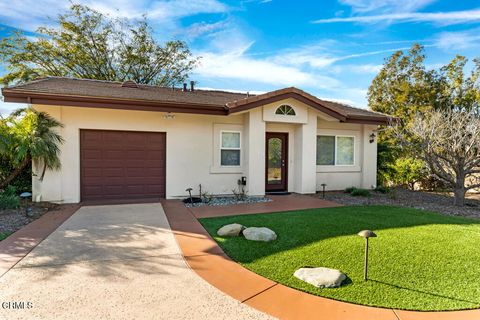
point(321, 277)
point(259, 234)
point(230, 230)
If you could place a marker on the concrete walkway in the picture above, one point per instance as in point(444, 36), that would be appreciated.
point(113, 262)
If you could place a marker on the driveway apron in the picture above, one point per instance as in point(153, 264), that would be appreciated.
point(113, 262)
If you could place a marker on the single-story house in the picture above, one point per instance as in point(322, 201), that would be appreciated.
point(132, 141)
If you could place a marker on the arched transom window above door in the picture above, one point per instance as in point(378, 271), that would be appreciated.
point(285, 110)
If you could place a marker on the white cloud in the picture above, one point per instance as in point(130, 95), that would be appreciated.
point(386, 5)
point(230, 39)
point(444, 18)
point(298, 58)
point(160, 12)
point(325, 59)
point(367, 68)
point(351, 96)
point(201, 29)
point(7, 107)
point(238, 66)
point(458, 40)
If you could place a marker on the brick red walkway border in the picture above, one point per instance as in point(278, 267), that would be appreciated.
point(208, 260)
point(16, 246)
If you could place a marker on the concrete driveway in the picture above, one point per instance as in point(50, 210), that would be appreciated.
point(113, 262)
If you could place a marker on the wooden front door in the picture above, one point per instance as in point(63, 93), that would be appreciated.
point(276, 158)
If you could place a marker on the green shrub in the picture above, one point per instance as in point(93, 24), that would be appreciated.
point(350, 189)
point(360, 192)
point(9, 198)
point(382, 189)
point(4, 235)
point(409, 171)
point(23, 183)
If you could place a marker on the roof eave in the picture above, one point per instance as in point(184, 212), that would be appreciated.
point(373, 120)
point(17, 96)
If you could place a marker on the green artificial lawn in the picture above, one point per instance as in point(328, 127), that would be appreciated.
point(3, 235)
point(419, 261)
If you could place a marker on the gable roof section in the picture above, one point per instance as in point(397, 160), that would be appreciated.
point(339, 111)
point(109, 94)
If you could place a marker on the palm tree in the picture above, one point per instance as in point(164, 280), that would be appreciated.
point(28, 135)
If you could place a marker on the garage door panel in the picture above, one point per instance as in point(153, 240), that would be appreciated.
point(92, 154)
point(112, 154)
point(93, 190)
point(135, 154)
point(113, 172)
point(92, 172)
point(154, 154)
point(114, 138)
point(135, 172)
point(122, 164)
point(113, 190)
point(155, 188)
point(155, 172)
point(108, 163)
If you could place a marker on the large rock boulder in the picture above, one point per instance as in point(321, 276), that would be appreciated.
point(259, 234)
point(230, 230)
point(321, 277)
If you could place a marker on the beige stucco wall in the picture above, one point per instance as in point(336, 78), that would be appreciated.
point(193, 149)
point(189, 149)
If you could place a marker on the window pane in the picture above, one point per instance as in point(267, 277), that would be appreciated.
point(230, 158)
point(345, 146)
point(325, 150)
point(274, 161)
point(230, 140)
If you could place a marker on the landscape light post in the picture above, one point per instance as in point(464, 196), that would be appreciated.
point(366, 234)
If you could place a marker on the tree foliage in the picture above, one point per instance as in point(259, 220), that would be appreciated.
point(403, 86)
point(88, 44)
point(406, 89)
point(409, 171)
point(28, 135)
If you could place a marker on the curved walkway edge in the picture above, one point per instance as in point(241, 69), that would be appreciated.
point(17, 245)
point(207, 259)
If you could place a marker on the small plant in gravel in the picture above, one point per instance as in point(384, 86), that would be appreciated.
point(3, 235)
point(350, 189)
point(382, 189)
point(393, 194)
point(206, 197)
point(360, 193)
point(240, 195)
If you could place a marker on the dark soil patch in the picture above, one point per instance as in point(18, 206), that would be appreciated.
point(12, 220)
point(439, 202)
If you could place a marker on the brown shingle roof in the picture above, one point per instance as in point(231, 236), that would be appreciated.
point(111, 89)
point(108, 94)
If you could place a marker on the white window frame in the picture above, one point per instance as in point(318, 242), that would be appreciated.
point(222, 148)
point(335, 150)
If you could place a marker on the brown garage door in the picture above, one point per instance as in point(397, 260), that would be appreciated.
point(117, 165)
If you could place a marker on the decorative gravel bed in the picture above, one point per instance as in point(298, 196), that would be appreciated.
point(12, 220)
point(226, 201)
point(439, 202)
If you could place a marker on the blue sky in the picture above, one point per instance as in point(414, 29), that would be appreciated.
point(332, 49)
